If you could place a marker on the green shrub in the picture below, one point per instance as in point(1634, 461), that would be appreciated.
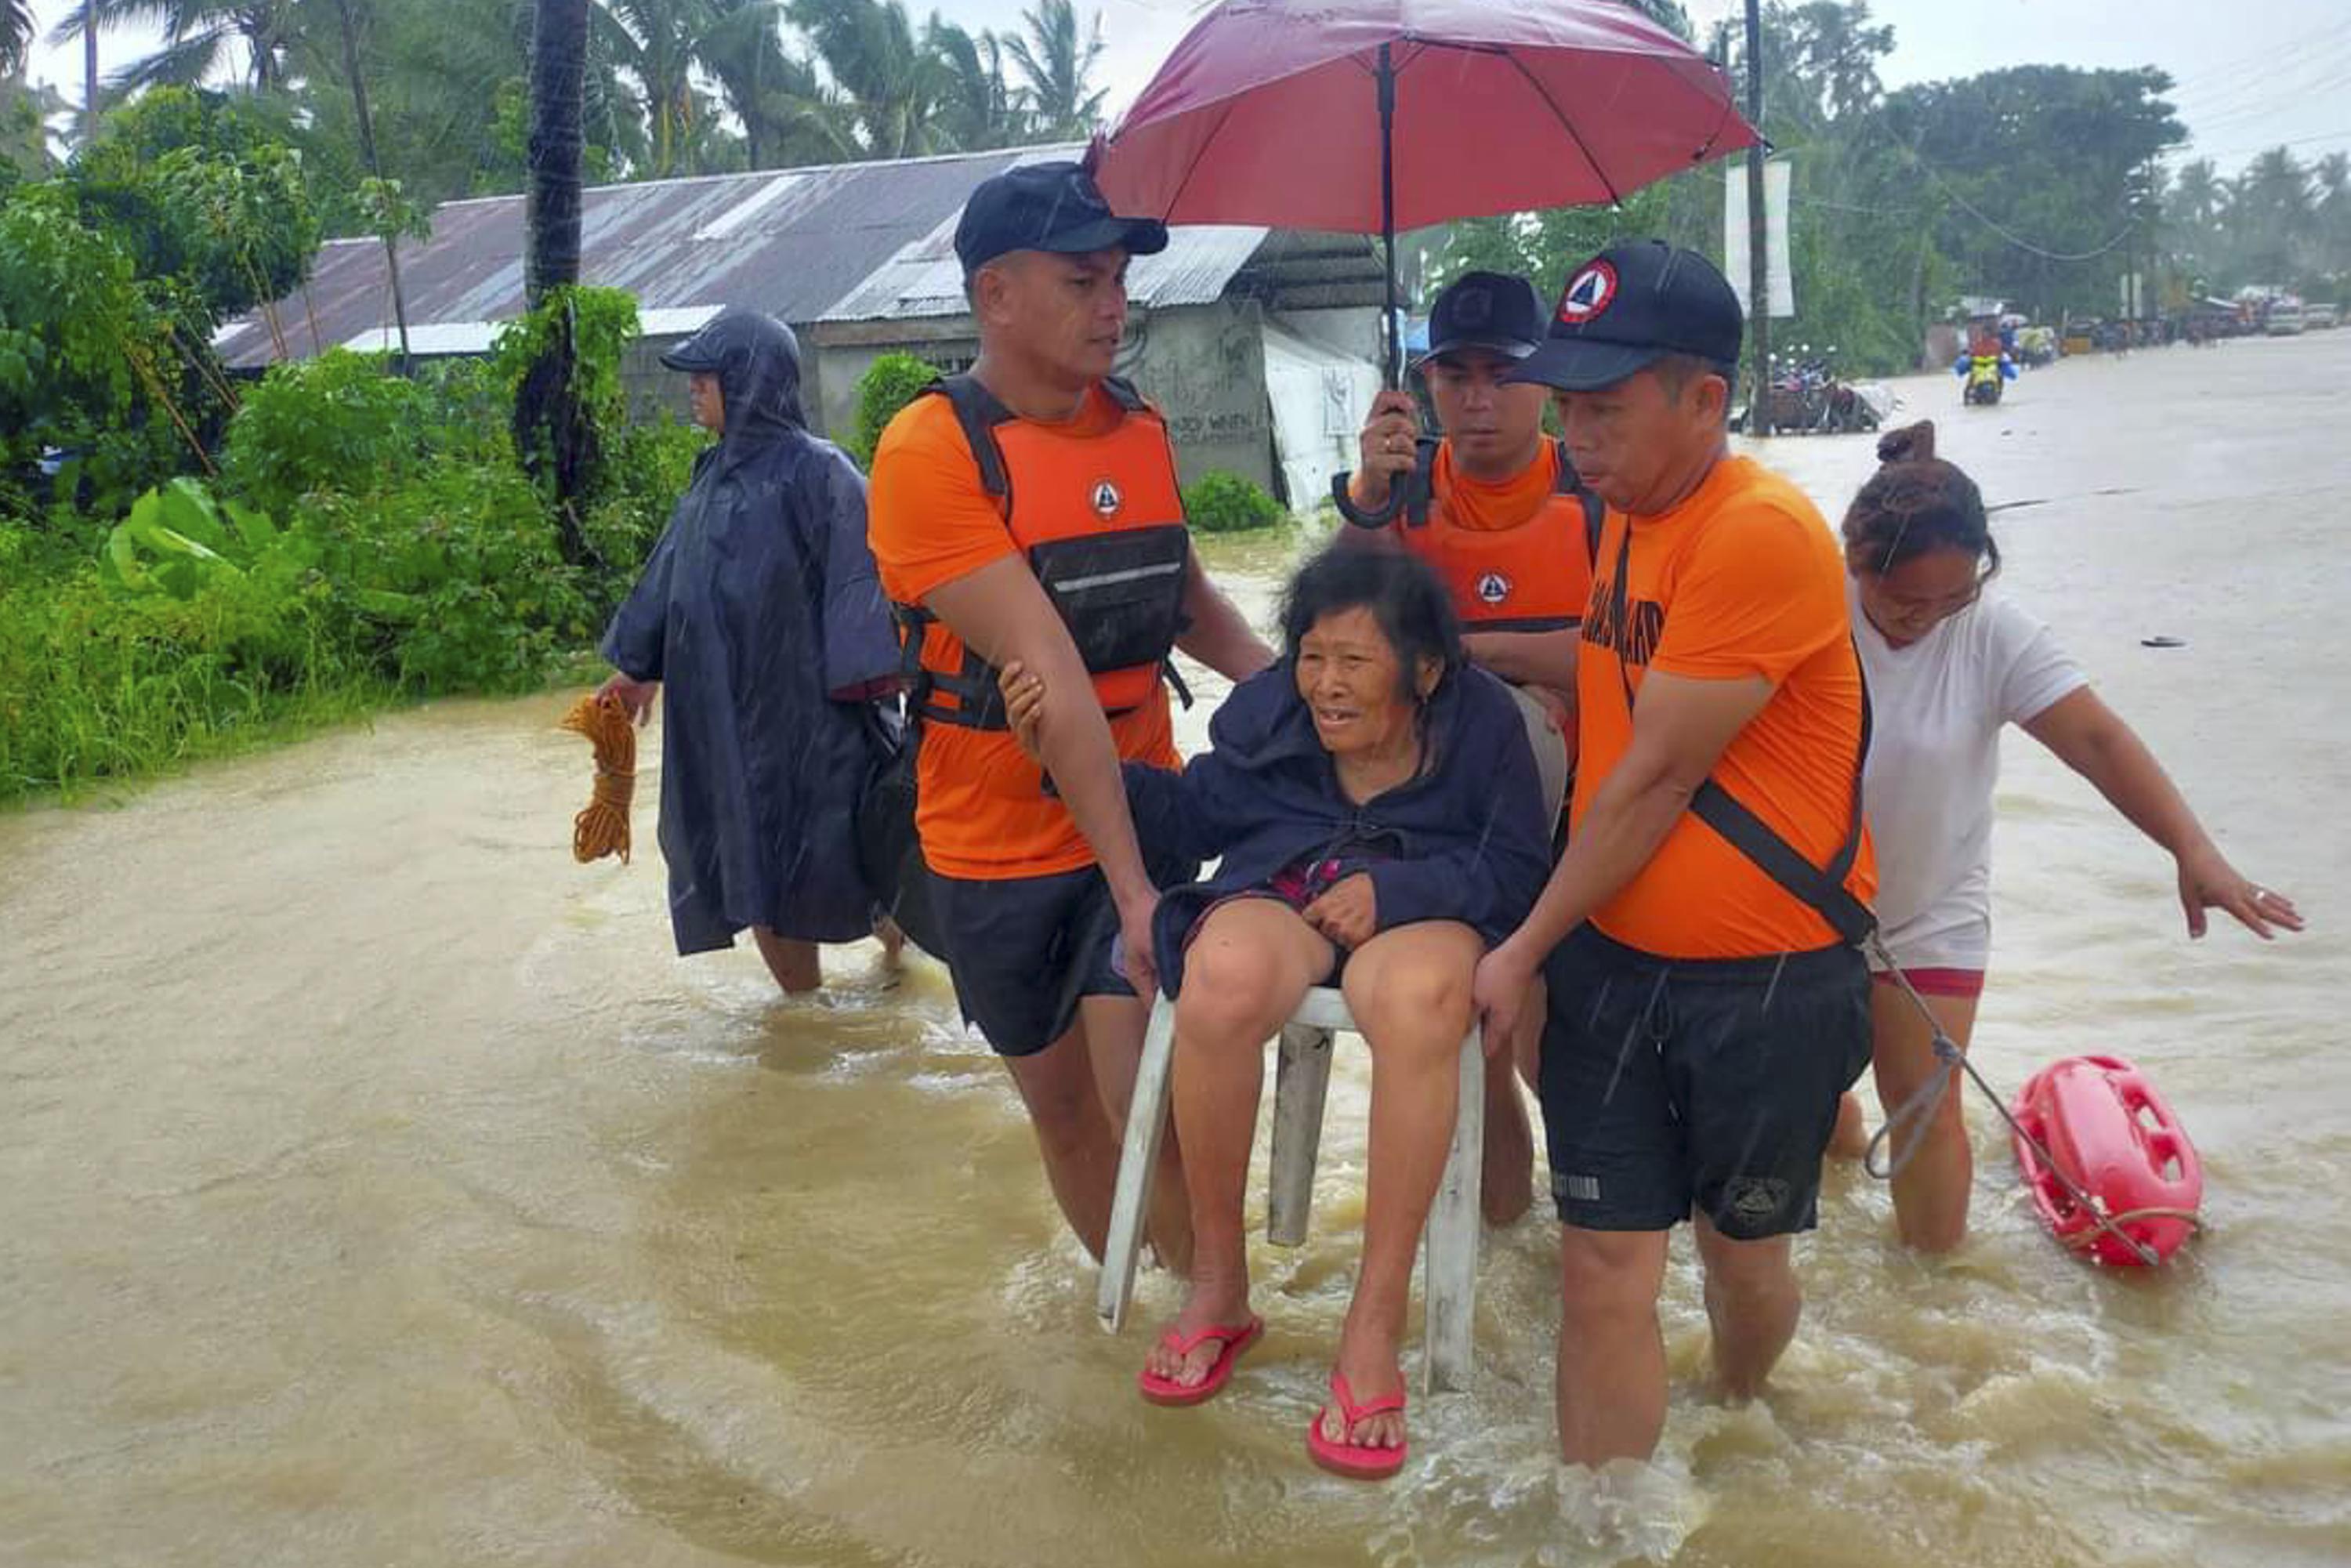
point(97, 683)
point(341, 421)
point(1224, 502)
point(889, 384)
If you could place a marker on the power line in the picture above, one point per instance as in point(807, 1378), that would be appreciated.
point(2130, 226)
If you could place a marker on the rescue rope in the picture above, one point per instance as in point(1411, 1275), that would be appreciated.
point(1950, 1060)
point(603, 828)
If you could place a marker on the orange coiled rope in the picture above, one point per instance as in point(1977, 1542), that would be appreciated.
point(603, 828)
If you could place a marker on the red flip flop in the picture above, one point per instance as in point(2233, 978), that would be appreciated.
point(1357, 1461)
point(1230, 1339)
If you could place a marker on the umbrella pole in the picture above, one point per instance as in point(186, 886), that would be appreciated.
point(1391, 335)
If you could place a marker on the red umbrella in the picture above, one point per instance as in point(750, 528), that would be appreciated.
point(1368, 115)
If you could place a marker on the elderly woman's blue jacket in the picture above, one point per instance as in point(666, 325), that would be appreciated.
point(1465, 841)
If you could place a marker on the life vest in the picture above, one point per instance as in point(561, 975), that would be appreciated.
point(1511, 580)
point(1102, 523)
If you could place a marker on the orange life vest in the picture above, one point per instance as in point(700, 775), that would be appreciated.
point(1536, 577)
point(1102, 523)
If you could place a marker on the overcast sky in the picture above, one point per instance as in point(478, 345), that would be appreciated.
point(2250, 75)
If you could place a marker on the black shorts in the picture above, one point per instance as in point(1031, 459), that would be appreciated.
point(1677, 1086)
point(1023, 951)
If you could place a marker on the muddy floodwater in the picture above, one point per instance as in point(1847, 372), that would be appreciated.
point(376, 1188)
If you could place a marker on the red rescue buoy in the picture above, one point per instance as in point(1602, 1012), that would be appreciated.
point(2109, 1130)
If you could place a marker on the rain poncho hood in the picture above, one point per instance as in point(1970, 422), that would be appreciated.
point(760, 612)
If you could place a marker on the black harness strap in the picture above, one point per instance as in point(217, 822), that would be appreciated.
point(1820, 888)
point(979, 703)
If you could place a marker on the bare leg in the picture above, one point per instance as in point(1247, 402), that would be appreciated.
point(892, 940)
point(1074, 1135)
point(1246, 973)
point(1612, 1355)
point(1930, 1196)
point(1752, 1301)
point(792, 962)
point(1506, 1187)
point(1114, 1027)
point(1408, 989)
point(1851, 1139)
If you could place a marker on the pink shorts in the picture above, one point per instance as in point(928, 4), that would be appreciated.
point(1939, 982)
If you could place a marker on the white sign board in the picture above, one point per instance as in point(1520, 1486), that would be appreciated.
point(1775, 233)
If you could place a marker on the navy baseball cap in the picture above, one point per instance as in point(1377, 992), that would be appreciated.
point(1628, 308)
point(1492, 312)
point(1046, 206)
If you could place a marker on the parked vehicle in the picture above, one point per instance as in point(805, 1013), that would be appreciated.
point(2285, 318)
point(1809, 397)
point(2317, 317)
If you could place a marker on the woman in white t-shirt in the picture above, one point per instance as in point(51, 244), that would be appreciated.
point(1949, 668)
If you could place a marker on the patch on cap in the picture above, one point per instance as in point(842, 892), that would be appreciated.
point(1589, 293)
point(1473, 308)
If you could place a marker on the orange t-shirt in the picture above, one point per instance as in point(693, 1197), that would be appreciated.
point(1742, 579)
point(983, 814)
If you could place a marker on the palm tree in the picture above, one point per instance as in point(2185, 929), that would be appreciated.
point(788, 114)
point(559, 65)
point(200, 38)
point(1058, 61)
point(2331, 175)
point(658, 43)
point(2268, 213)
point(981, 109)
point(15, 35)
point(891, 78)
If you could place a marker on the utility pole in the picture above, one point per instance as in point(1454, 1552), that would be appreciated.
point(1758, 267)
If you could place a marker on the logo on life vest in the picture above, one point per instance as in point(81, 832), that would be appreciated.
point(1107, 500)
point(1589, 293)
point(1493, 588)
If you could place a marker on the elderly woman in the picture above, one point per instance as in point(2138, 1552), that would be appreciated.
point(759, 609)
point(1380, 822)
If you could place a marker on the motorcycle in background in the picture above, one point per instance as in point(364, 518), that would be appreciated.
point(1984, 377)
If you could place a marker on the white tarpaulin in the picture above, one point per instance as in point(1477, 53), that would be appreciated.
point(1735, 264)
point(1321, 398)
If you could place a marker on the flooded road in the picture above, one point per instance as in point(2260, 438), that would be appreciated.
point(375, 1188)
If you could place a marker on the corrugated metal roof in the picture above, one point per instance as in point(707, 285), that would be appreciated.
point(789, 242)
point(925, 279)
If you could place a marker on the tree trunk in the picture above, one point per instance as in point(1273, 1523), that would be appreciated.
point(375, 166)
point(556, 440)
point(558, 60)
point(89, 71)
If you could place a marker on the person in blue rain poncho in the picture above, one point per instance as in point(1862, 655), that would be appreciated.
point(759, 611)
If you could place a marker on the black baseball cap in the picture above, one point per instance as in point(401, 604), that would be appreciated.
point(1489, 311)
point(1046, 206)
point(1628, 308)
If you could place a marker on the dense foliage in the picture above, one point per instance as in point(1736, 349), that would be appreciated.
point(337, 536)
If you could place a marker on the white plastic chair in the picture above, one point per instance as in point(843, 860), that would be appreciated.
point(1302, 1082)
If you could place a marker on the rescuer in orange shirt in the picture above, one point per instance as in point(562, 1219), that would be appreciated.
point(1028, 511)
point(1708, 999)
